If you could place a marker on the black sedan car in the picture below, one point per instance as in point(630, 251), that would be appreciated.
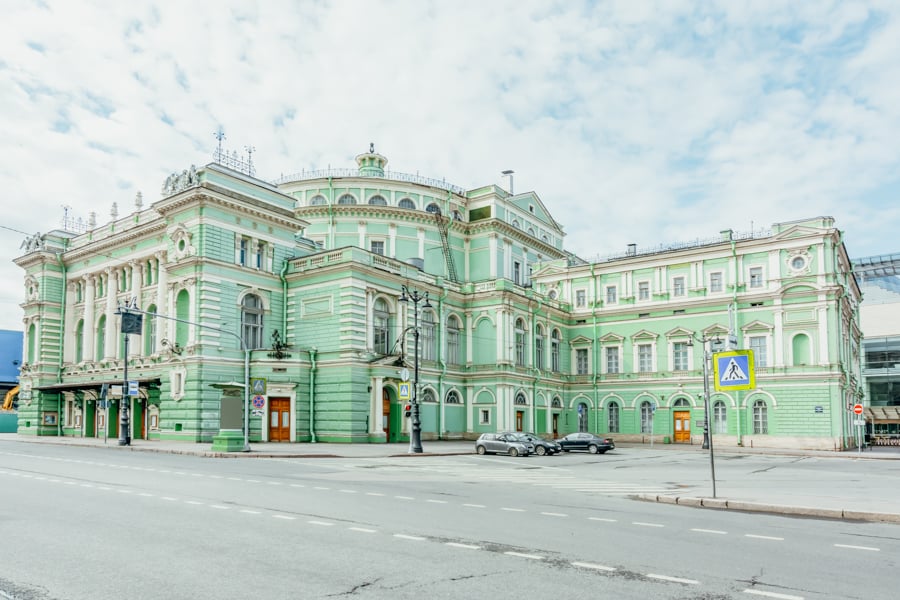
point(542, 446)
point(586, 441)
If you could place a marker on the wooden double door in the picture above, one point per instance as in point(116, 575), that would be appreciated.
point(279, 419)
point(682, 423)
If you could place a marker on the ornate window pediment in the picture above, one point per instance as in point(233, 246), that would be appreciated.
point(181, 237)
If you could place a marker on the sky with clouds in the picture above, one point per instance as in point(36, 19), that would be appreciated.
point(635, 121)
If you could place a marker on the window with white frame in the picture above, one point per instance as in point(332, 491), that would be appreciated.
point(581, 361)
point(517, 272)
point(259, 257)
point(244, 252)
point(554, 351)
point(760, 417)
point(452, 398)
point(756, 277)
point(760, 350)
point(539, 347)
point(612, 359)
point(484, 416)
point(680, 356)
point(252, 321)
point(317, 200)
point(428, 345)
point(346, 199)
point(378, 200)
point(645, 358)
point(720, 417)
point(453, 347)
point(407, 203)
point(376, 247)
point(520, 342)
point(643, 290)
point(612, 413)
point(715, 282)
point(612, 293)
point(580, 298)
point(678, 288)
point(381, 327)
point(520, 399)
point(646, 417)
point(428, 396)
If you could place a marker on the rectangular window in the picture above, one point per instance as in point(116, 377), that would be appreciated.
point(760, 354)
point(678, 286)
point(581, 361)
point(645, 358)
point(612, 360)
point(377, 247)
point(259, 260)
point(715, 282)
point(611, 294)
point(485, 418)
point(517, 272)
point(244, 252)
point(554, 355)
point(756, 277)
point(679, 356)
point(580, 298)
point(644, 290)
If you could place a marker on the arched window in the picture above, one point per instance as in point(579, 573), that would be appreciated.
point(428, 396)
point(317, 200)
point(516, 224)
point(380, 327)
point(433, 208)
point(453, 346)
point(720, 418)
point(346, 199)
point(556, 403)
point(378, 200)
point(800, 347)
point(531, 232)
point(457, 216)
point(407, 203)
point(520, 342)
point(554, 351)
point(183, 313)
point(150, 331)
point(646, 417)
point(32, 343)
point(681, 403)
point(101, 338)
point(252, 321)
point(760, 417)
point(539, 347)
point(427, 341)
point(582, 417)
point(452, 398)
point(79, 341)
point(612, 413)
point(520, 399)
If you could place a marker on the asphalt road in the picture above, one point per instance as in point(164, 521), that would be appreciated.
point(80, 523)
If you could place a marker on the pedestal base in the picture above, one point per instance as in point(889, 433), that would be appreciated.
point(228, 440)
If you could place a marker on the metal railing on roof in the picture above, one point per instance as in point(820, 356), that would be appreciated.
point(674, 246)
point(391, 175)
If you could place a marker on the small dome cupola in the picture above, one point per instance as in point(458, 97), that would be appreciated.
point(371, 164)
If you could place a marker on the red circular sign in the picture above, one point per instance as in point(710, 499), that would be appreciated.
point(858, 409)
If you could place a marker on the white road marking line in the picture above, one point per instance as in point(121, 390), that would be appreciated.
point(41, 478)
point(69, 482)
point(772, 595)
point(249, 512)
point(318, 487)
point(374, 494)
point(124, 491)
point(603, 519)
point(297, 485)
point(164, 471)
point(145, 495)
point(197, 475)
point(216, 477)
point(869, 548)
point(716, 531)
point(403, 536)
point(170, 498)
point(404, 497)
point(553, 514)
point(512, 509)
point(235, 479)
point(437, 501)
point(348, 491)
point(673, 579)
point(105, 489)
point(642, 524)
point(764, 537)
point(179, 473)
point(192, 502)
point(87, 485)
point(322, 523)
point(253, 481)
point(273, 483)
point(523, 555)
point(362, 529)
point(474, 505)
point(593, 566)
point(466, 546)
point(285, 517)
point(220, 507)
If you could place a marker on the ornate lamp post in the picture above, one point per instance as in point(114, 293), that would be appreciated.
point(415, 297)
point(707, 436)
point(131, 323)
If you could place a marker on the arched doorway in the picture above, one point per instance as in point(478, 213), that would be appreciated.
point(386, 414)
point(681, 421)
point(582, 417)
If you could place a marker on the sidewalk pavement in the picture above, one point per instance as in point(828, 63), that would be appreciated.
point(850, 502)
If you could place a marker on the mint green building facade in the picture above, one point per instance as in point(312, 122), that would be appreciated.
point(306, 274)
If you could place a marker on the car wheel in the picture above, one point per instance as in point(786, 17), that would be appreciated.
point(513, 452)
point(480, 450)
point(540, 451)
point(592, 449)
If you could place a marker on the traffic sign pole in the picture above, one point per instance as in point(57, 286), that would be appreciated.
point(858, 410)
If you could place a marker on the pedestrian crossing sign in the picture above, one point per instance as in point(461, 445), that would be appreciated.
point(734, 370)
point(404, 391)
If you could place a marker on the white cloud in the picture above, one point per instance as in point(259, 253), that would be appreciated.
point(643, 122)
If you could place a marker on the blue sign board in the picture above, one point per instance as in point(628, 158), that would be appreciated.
point(734, 370)
point(404, 391)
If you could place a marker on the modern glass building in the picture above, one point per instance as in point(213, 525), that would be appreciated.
point(288, 294)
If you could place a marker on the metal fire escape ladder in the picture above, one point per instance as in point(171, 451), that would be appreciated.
point(442, 225)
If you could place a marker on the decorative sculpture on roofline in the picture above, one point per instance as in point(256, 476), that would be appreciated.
point(177, 182)
point(33, 242)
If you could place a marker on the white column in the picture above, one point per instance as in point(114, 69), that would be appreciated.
point(191, 287)
point(778, 335)
point(471, 407)
point(162, 301)
point(87, 345)
point(362, 235)
point(421, 235)
point(392, 240)
point(377, 412)
point(467, 248)
point(370, 319)
point(69, 342)
point(499, 321)
point(492, 251)
point(469, 337)
point(112, 284)
point(824, 359)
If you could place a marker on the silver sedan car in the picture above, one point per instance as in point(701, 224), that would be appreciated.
point(503, 443)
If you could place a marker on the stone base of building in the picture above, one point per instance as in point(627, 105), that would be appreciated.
point(228, 440)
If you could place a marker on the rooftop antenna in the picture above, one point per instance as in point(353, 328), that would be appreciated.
point(219, 135)
point(509, 173)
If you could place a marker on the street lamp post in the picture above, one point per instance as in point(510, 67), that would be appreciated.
point(131, 323)
point(415, 297)
point(707, 434)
